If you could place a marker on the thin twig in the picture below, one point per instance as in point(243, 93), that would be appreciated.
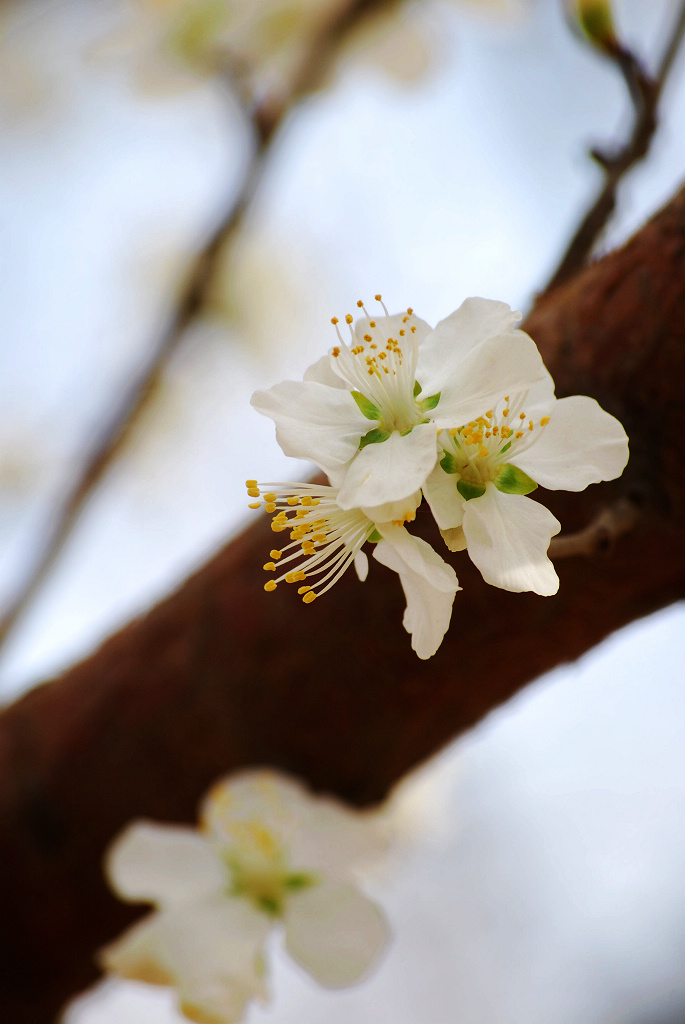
point(645, 93)
point(266, 120)
point(599, 536)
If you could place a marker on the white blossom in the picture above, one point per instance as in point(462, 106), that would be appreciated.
point(324, 540)
point(267, 854)
point(488, 465)
point(368, 413)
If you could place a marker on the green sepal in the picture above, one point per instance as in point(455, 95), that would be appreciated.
point(299, 880)
point(417, 389)
point(270, 905)
point(374, 436)
point(430, 403)
point(449, 463)
point(375, 536)
point(366, 407)
point(512, 480)
point(506, 448)
point(403, 433)
point(469, 490)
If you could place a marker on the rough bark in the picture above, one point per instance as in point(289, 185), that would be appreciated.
point(221, 674)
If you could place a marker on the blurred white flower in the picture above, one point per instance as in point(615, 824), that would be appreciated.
point(369, 412)
point(477, 491)
point(267, 853)
point(325, 540)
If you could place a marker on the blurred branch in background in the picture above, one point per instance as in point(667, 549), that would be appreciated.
point(266, 117)
point(645, 93)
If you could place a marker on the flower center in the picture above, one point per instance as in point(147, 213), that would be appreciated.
point(480, 450)
point(380, 370)
point(324, 539)
point(259, 870)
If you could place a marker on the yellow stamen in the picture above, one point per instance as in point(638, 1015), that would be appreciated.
point(275, 554)
point(250, 483)
point(255, 504)
point(271, 585)
point(270, 506)
point(303, 590)
point(253, 492)
point(482, 453)
point(505, 412)
point(334, 320)
point(377, 298)
point(269, 566)
point(309, 597)
point(270, 497)
point(360, 303)
point(544, 421)
point(348, 319)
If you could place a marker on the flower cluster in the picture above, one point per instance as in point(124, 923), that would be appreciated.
point(267, 854)
point(463, 415)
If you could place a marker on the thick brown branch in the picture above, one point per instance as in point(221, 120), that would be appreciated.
point(222, 674)
point(645, 93)
point(599, 535)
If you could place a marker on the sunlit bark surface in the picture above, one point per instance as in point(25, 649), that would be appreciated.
point(221, 674)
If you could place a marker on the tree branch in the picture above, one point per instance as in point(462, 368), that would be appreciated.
point(222, 675)
point(266, 120)
point(645, 93)
point(600, 535)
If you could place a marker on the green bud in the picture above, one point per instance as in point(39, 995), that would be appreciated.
point(366, 407)
point(512, 480)
point(469, 490)
point(374, 436)
point(417, 389)
point(596, 20)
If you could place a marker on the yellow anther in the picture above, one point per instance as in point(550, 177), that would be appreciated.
point(386, 370)
point(373, 345)
point(544, 421)
point(300, 513)
point(314, 501)
point(489, 414)
point(530, 424)
point(255, 504)
point(413, 330)
point(308, 548)
point(495, 430)
point(404, 319)
point(473, 424)
point(453, 431)
point(505, 412)
point(270, 506)
point(522, 415)
point(269, 566)
point(309, 597)
point(335, 352)
point(253, 492)
point(483, 453)
point(278, 527)
point(506, 398)
point(271, 585)
point(377, 298)
point(349, 318)
point(319, 538)
point(371, 370)
point(250, 483)
point(519, 434)
point(488, 433)
point(402, 332)
point(372, 323)
point(360, 303)
point(293, 500)
point(410, 310)
point(367, 337)
point(303, 590)
point(334, 320)
point(291, 577)
point(275, 553)
point(307, 500)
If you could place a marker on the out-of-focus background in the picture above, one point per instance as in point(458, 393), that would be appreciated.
point(541, 874)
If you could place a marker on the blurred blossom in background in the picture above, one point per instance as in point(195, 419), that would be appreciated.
point(541, 878)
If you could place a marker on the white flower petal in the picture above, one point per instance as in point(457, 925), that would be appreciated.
point(334, 932)
point(429, 586)
point(163, 864)
point(314, 421)
point(495, 368)
point(211, 952)
point(390, 326)
point(361, 565)
point(318, 833)
point(446, 503)
point(454, 538)
point(508, 536)
point(322, 372)
point(476, 320)
point(581, 445)
point(395, 511)
point(390, 470)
